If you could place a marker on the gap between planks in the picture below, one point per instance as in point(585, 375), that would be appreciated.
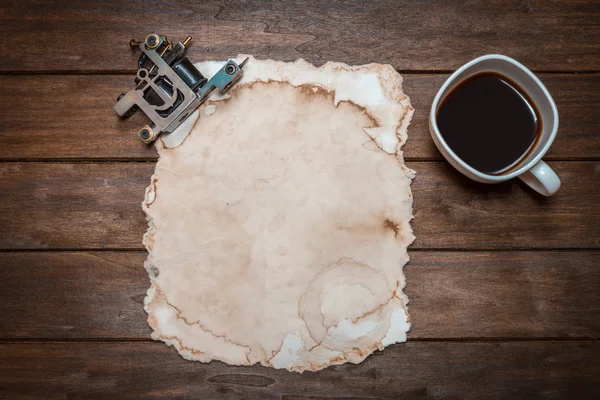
point(117, 160)
point(428, 340)
point(400, 71)
point(416, 250)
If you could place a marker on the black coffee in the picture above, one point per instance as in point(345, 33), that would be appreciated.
point(489, 122)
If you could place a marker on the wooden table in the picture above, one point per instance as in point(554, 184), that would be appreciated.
point(504, 285)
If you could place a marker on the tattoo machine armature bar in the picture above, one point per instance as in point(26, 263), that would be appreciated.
point(168, 86)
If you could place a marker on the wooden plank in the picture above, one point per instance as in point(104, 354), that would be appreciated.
point(452, 295)
point(504, 294)
point(68, 117)
point(417, 370)
point(73, 295)
point(62, 205)
point(453, 212)
point(433, 35)
point(71, 117)
point(91, 206)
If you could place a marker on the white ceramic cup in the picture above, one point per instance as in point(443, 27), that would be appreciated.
point(531, 169)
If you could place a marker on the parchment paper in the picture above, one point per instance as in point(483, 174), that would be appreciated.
point(279, 219)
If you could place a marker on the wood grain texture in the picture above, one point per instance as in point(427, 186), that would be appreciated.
point(68, 117)
point(432, 35)
point(454, 212)
point(71, 117)
point(99, 295)
point(63, 205)
point(93, 206)
point(504, 294)
point(417, 370)
point(72, 323)
point(62, 295)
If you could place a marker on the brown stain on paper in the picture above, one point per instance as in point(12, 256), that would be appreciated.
point(389, 224)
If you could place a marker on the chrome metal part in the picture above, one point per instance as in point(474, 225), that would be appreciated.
point(168, 87)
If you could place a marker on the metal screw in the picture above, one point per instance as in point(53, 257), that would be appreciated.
point(230, 69)
point(152, 41)
point(134, 44)
point(145, 134)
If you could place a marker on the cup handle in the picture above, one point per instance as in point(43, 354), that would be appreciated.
point(542, 179)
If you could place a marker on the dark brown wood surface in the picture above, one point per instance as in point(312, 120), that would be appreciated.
point(88, 128)
point(97, 206)
point(453, 294)
point(415, 370)
point(434, 35)
point(504, 285)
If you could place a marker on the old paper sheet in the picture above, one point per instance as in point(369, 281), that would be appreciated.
point(279, 219)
